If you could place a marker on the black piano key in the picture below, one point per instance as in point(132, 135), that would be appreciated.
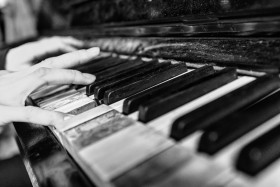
point(90, 88)
point(116, 75)
point(111, 72)
point(131, 77)
point(260, 153)
point(92, 62)
point(239, 123)
point(210, 113)
point(132, 103)
point(167, 102)
point(124, 91)
point(106, 73)
point(102, 65)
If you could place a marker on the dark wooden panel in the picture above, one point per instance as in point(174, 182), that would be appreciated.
point(259, 54)
point(85, 12)
point(46, 161)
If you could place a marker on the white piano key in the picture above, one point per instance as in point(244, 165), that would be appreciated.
point(81, 118)
point(198, 171)
point(223, 178)
point(191, 142)
point(268, 177)
point(91, 97)
point(226, 158)
point(64, 101)
point(116, 154)
point(97, 128)
point(82, 90)
point(74, 105)
point(155, 169)
point(50, 100)
point(134, 115)
point(118, 106)
point(49, 90)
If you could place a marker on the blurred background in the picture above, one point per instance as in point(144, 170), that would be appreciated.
point(25, 19)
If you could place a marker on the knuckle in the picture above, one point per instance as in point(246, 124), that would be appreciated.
point(41, 72)
point(75, 71)
point(49, 61)
point(75, 75)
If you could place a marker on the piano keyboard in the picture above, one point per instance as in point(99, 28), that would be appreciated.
point(150, 123)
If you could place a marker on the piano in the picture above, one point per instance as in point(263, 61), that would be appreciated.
point(186, 94)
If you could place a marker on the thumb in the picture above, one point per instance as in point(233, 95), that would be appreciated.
point(31, 114)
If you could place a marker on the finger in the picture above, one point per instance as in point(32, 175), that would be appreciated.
point(73, 41)
point(46, 76)
point(31, 114)
point(67, 49)
point(23, 86)
point(51, 47)
point(70, 60)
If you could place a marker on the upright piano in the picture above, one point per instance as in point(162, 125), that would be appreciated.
point(186, 94)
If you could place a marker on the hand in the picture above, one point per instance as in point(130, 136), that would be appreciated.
point(15, 87)
point(26, 55)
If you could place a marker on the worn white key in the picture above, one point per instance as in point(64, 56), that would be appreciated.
point(49, 90)
point(81, 118)
point(82, 90)
point(65, 101)
point(51, 100)
point(76, 104)
point(97, 128)
point(123, 150)
point(198, 171)
point(118, 106)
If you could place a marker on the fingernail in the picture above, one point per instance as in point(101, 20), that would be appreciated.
point(89, 77)
point(94, 50)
